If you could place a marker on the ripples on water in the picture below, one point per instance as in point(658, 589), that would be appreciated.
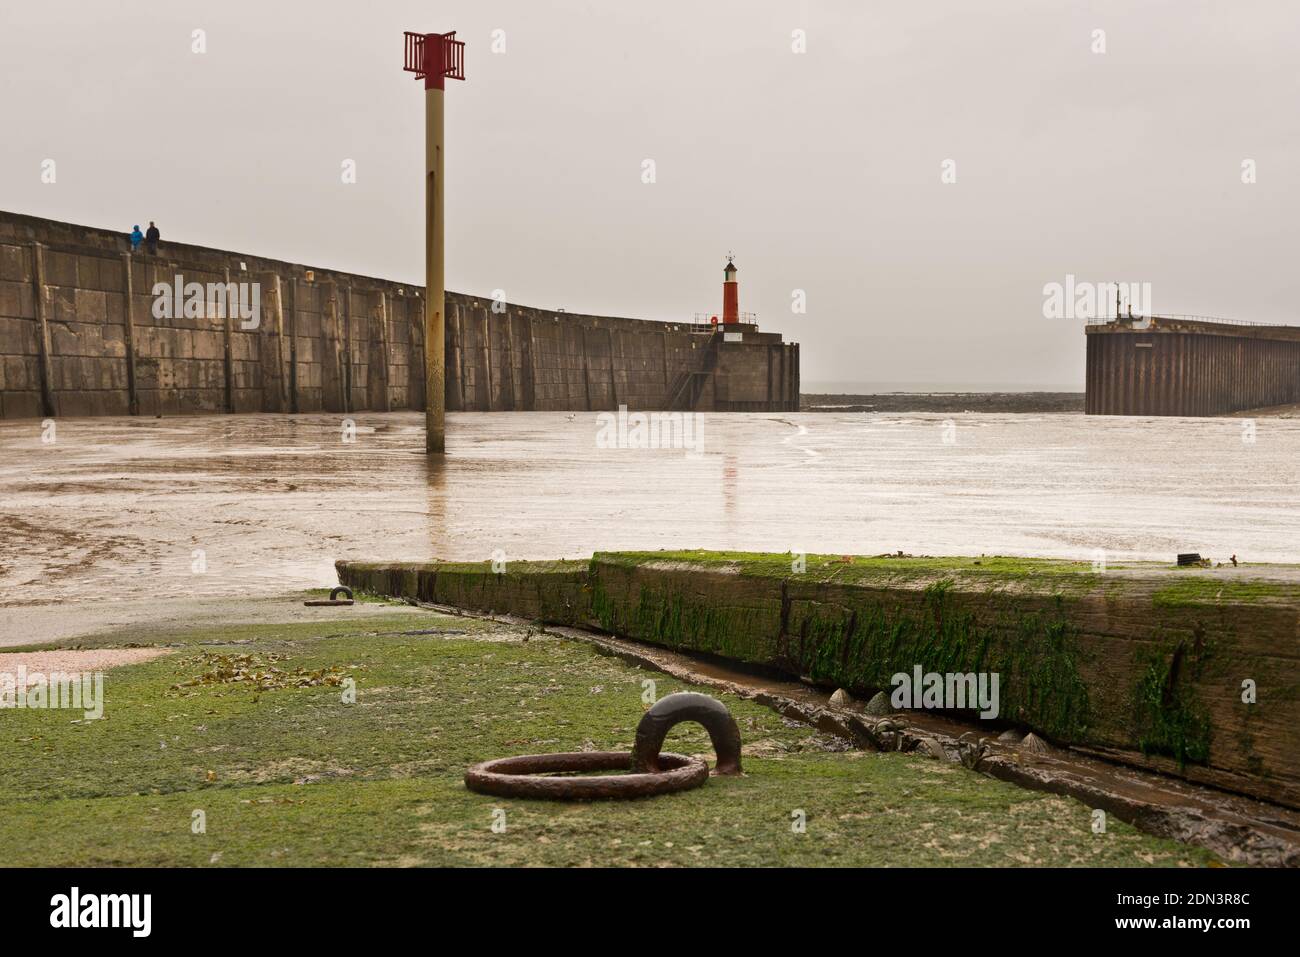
point(119, 506)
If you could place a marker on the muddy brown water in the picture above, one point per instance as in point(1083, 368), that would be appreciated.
point(202, 506)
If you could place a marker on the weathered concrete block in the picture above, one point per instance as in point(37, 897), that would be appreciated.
point(75, 404)
point(75, 373)
point(553, 592)
point(208, 345)
point(15, 264)
point(21, 373)
point(112, 276)
point(246, 375)
point(143, 308)
point(112, 375)
point(63, 340)
point(19, 405)
point(92, 402)
point(247, 400)
point(61, 303)
point(17, 300)
point(88, 269)
point(161, 343)
point(115, 310)
point(243, 346)
point(18, 337)
point(146, 374)
point(115, 402)
point(60, 269)
point(677, 604)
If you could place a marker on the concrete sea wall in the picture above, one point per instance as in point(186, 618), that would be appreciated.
point(79, 336)
point(1191, 368)
point(1147, 665)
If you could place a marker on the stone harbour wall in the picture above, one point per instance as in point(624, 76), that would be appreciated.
point(79, 337)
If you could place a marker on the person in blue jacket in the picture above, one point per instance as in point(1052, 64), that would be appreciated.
point(137, 238)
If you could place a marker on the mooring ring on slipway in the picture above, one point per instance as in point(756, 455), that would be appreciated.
point(651, 772)
point(333, 598)
point(524, 776)
point(673, 709)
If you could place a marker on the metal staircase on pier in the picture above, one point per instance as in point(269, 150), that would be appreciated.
point(686, 389)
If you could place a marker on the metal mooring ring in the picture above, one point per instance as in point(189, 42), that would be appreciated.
point(333, 598)
point(687, 706)
point(519, 776)
point(653, 772)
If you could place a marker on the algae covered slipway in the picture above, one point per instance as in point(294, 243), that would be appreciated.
point(1141, 662)
point(236, 747)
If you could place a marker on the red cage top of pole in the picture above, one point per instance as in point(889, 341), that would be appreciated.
point(432, 57)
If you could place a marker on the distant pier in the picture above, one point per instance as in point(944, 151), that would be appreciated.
point(1190, 367)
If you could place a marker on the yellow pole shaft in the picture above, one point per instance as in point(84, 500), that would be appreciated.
point(435, 293)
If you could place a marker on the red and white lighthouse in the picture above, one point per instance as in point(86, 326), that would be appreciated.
point(730, 293)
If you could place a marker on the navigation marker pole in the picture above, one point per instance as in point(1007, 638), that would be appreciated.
point(433, 57)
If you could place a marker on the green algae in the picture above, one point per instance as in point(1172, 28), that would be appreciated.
point(1031, 648)
point(861, 637)
point(856, 622)
point(548, 591)
point(296, 777)
point(1169, 719)
point(1203, 590)
point(665, 617)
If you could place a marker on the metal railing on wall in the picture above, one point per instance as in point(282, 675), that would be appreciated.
point(1103, 321)
point(706, 320)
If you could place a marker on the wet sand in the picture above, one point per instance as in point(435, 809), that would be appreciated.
point(944, 402)
point(121, 509)
point(39, 663)
point(41, 624)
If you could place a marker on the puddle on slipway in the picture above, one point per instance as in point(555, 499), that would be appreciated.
point(258, 504)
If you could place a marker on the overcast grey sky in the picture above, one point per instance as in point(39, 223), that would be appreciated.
point(821, 170)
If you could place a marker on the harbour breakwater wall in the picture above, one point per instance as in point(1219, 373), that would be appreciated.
point(1174, 366)
point(1193, 673)
point(80, 335)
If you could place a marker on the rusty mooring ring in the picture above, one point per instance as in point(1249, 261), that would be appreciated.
point(687, 706)
point(333, 598)
point(653, 772)
point(519, 776)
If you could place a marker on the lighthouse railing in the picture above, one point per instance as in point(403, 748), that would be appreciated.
point(705, 321)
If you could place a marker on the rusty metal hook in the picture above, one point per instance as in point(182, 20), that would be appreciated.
point(687, 706)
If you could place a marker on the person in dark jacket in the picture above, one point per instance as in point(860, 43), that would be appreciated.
point(151, 238)
point(137, 238)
